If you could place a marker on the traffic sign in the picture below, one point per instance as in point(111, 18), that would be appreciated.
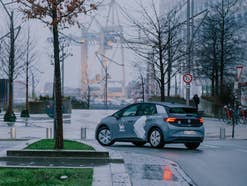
point(187, 78)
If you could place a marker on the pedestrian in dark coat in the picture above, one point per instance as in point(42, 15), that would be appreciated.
point(196, 101)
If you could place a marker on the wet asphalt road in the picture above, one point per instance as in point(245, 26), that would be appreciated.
point(215, 163)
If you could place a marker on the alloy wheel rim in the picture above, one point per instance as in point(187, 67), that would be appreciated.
point(104, 136)
point(155, 138)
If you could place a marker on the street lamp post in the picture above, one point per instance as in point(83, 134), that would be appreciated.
point(105, 68)
point(189, 47)
point(236, 99)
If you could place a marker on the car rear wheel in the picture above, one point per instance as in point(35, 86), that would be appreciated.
point(156, 138)
point(192, 145)
point(139, 143)
point(104, 136)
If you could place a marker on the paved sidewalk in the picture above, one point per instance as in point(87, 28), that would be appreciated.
point(213, 126)
point(112, 174)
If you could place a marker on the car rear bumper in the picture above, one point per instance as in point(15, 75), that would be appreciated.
point(184, 134)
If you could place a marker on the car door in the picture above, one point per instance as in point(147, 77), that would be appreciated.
point(145, 114)
point(128, 118)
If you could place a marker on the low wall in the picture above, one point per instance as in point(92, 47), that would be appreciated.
point(37, 107)
point(42, 107)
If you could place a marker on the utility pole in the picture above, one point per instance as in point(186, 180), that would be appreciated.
point(104, 63)
point(189, 49)
point(106, 86)
point(62, 60)
point(25, 112)
point(33, 86)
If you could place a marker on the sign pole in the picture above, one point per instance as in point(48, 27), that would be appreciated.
point(187, 78)
point(187, 93)
point(239, 70)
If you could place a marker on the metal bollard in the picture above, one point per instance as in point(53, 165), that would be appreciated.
point(48, 133)
point(83, 133)
point(12, 133)
point(222, 133)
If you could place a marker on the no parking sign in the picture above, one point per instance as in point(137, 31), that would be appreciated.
point(187, 78)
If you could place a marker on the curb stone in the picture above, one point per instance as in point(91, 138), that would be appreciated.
point(117, 174)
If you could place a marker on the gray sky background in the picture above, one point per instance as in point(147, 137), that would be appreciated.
point(40, 33)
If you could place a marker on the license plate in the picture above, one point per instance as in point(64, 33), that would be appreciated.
point(189, 132)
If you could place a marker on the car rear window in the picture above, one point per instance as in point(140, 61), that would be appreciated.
point(182, 110)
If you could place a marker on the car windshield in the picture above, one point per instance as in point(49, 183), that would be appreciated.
point(182, 110)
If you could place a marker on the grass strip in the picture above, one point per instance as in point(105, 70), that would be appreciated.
point(49, 144)
point(45, 177)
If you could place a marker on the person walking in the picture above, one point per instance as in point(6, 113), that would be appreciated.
point(196, 101)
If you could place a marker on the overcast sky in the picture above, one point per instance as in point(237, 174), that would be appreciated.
point(40, 34)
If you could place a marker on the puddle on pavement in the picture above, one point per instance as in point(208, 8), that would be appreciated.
point(151, 172)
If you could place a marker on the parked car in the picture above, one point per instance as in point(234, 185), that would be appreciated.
point(154, 123)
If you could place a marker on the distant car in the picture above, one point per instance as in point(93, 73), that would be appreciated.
point(154, 123)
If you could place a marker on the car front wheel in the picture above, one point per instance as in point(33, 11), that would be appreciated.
point(156, 138)
point(192, 145)
point(104, 136)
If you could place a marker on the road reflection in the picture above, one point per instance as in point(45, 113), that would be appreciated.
point(151, 172)
point(167, 174)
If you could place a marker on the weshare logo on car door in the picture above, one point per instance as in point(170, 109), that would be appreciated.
point(139, 127)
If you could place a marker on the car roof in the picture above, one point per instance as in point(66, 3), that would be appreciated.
point(169, 104)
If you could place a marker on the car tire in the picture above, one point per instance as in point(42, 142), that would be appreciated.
point(104, 136)
point(156, 138)
point(139, 143)
point(192, 146)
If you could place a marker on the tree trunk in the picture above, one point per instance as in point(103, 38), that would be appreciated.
point(217, 82)
point(222, 62)
point(11, 64)
point(143, 89)
point(212, 84)
point(27, 68)
point(214, 78)
point(162, 76)
point(58, 115)
point(169, 67)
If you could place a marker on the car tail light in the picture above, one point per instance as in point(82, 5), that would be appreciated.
point(170, 120)
point(201, 120)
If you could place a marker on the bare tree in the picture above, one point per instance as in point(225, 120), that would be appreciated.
point(141, 80)
point(56, 14)
point(30, 61)
point(10, 64)
point(221, 46)
point(161, 39)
